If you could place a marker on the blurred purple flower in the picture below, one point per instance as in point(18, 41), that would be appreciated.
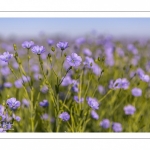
point(28, 44)
point(7, 85)
point(139, 71)
point(120, 83)
point(64, 116)
point(120, 52)
point(62, 45)
point(93, 103)
point(3, 63)
point(6, 126)
point(44, 89)
point(1, 110)
point(2, 130)
point(44, 103)
point(37, 76)
point(144, 77)
point(94, 115)
point(25, 103)
point(132, 49)
point(96, 69)
point(89, 62)
point(18, 83)
point(67, 81)
point(45, 117)
point(26, 78)
point(105, 123)
point(35, 68)
point(136, 92)
point(17, 118)
point(101, 89)
point(75, 86)
point(38, 49)
point(74, 60)
point(129, 110)
point(5, 71)
point(80, 40)
point(87, 52)
point(50, 42)
point(6, 56)
point(13, 104)
point(77, 99)
point(117, 127)
point(15, 65)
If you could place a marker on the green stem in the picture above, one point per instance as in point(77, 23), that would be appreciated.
point(105, 95)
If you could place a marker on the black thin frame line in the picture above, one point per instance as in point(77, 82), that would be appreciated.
point(75, 138)
point(74, 11)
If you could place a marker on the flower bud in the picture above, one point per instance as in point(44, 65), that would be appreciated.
point(53, 49)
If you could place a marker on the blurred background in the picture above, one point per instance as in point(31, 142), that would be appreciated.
point(74, 27)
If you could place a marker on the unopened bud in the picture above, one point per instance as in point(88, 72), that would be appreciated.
point(65, 54)
point(16, 54)
point(53, 49)
point(15, 47)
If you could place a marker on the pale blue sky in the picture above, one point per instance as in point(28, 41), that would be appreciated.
point(75, 26)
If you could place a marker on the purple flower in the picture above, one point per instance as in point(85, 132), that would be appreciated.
point(38, 50)
point(87, 52)
point(117, 127)
point(62, 45)
point(44, 103)
point(136, 92)
point(105, 123)
point(7, 85)
point(50, 42)
point(28, 44)
point(124, 83)
point(15, 65)
point(18, 83)
point(77, 99)
point(101, 89)
point(44, 89)
point(144, 77)
point(94, 115)
point(3, 63)
point(1, 110)
point(2, 130)
point(89, 62)
point(25, 103)
point(93, 103)
point(67, 81)
point(120, 52)
point(111, 84)
point(45, 117)
point(119, 83)
point(37, 76)
point(74, 60)
point(6, 56)
point(6, 126)
point(80, 40)
point(75, 86)
point(26, 78)
point(13, 104)
point(35, 68)
point(64, 116)
point(129, 110)
point(96, 69)
point(139, 72)
point(5, 71)
point(132, 48)
point(17, 118)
